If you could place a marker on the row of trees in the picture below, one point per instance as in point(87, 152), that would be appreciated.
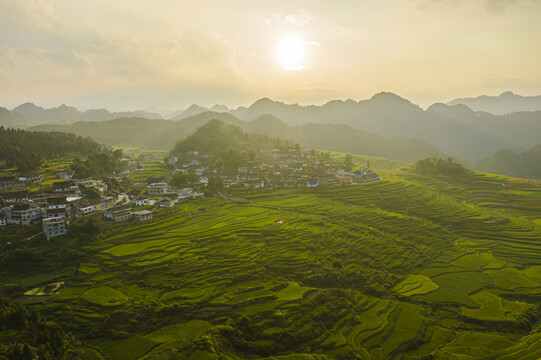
point(435, 166)
point(26, 150)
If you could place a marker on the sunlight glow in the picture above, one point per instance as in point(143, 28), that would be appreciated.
point(290, 54)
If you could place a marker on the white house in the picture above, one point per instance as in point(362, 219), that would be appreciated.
point(172, 160)
point(203, 180)
point(142, 215)
point(199, 171)
point(23, 214)
point(141, 201)
point(54, 226)
point(158, 188)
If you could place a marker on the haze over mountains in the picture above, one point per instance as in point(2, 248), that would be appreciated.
point(368, 125)
point(505, 103)
point(163, 134)
point(29, 113)
point(526, 164)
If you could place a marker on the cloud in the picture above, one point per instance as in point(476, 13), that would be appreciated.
point(493, 7)
point(498, 6)
point(34, 14)
point(298, 19)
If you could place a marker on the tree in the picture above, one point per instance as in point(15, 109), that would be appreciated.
point(118, 154)
point(348, 162)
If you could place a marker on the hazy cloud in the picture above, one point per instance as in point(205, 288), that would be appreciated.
point(35, 14)
point(300, 18)
point(490, 6)
point(122, 52)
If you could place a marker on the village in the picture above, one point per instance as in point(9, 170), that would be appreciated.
point(122, 197)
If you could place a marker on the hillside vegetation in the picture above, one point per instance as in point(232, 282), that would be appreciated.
point(526, 164)
point(26, 150)
point(216, 136)
point(161, 134)
point(455, 130)
point(434, 166)
point(452, 128)
point(412, 267)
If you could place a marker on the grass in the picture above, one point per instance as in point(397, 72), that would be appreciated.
point(494, 308)
point(416, 285)
point(189, 330)
point(291, 292)
point(104, 296)
point(408, 267)
point(133, 347)
point(457, 287)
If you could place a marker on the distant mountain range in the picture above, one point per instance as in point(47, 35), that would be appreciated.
point(526, 164)
point(506, 103)
point(29, 113)
point(163, 134)
point(454, 129)
point(451, 129)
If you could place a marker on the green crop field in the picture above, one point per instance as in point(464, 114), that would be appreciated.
point(411, 267)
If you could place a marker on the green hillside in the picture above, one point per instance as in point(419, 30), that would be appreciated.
point(413, 267)
point(27, 150)
point(526, 164)
point(163, 134)
point(215, 137)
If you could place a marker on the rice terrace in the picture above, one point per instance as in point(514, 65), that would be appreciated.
point(412, 267)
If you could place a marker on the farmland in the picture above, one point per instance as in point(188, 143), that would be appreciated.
point(406, 268)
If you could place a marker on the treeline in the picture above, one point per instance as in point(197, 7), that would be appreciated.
point(24, 336)
point(26, 150)
point(436, 166)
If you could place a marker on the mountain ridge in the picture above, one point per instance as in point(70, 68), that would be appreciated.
point(526, 164)
point(505, 103)
point(162, 134)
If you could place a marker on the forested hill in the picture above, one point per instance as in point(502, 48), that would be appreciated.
point(216, 136)
point(162, 134)
point(526, 164)
point(26, 150)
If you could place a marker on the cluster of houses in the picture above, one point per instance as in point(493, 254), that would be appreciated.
point(54, 211)
point(63, 203)
point(12, 182)
point(278, 168)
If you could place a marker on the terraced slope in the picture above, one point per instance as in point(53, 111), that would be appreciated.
point(408, 268)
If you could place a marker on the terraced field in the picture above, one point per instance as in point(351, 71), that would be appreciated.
point(408, 268)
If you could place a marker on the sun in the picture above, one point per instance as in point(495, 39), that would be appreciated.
point(290, 53)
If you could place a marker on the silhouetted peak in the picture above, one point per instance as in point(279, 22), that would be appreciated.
point(387, 97)
point(507, 94)
point(263, 102)
point(27, 106)
point(450, 110)
point(195, 107)
point(219, 108)
point(65, 107)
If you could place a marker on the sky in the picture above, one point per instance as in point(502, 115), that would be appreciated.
point(131, 54)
